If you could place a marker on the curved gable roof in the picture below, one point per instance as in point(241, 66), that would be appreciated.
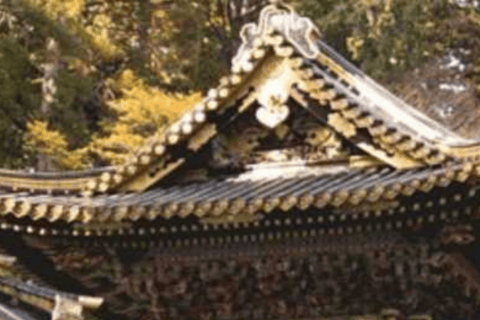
point(399, 135)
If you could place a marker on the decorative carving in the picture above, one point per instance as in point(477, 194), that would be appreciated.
point(462, 234)
point(272, 116)
point(299, 31)
point(342, 125)
point(273, 93)
point(242, 143)
point(66, 309)
point(357, 275)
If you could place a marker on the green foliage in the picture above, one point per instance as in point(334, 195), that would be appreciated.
point(177, 46)
point(53, 144)
point(384, 37)
point(19, 99)
point(140, 112)
point(72, 111)
point(192, 42)
point(195, 41)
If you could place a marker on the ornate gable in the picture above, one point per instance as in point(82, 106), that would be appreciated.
point(297, 188)
point(291, 103)
point(282, 65)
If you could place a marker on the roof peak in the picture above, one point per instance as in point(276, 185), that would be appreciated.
point(280, 19)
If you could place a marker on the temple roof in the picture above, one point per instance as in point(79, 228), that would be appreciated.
point(260, 190)
point(282, 73)
point(323, 169)
point(281, 57)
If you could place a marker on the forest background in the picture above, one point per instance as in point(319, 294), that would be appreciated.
point(83, 82)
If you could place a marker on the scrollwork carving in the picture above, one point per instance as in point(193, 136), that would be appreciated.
point(282, 19)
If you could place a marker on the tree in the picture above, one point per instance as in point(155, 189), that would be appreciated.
point(136, 61)
point(19, 99)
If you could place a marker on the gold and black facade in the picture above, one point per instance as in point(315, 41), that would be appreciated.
point(297, 188)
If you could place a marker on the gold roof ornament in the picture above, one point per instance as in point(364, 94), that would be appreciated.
point(278, 23)
point(273, 95)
